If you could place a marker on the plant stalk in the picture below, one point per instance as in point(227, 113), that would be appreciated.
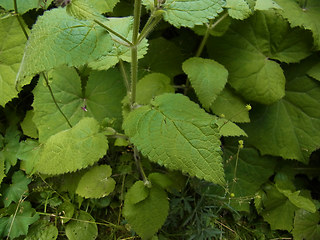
point(19, 19)
point(150, 25)
point(124, 75)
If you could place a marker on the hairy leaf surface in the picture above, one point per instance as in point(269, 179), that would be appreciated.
point(176, 133)
point(207, 77)
point(188, 13)
point(96, 183)
point(100, 99)
point(73, 149)
point(266, 5)
point(22, 5)
point(306, 225)
point(148, 215)
point(290, 127)
point(238, 9)
point(305, 14)
point(29, 154)
point(57, 39)
point(247, 50)
point(42, 230)
point(123, 26)
point(12, 42)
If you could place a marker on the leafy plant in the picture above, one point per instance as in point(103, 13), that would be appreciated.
point(118, 119)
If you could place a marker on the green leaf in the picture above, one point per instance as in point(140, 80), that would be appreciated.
point(96, 183)
point(252, 171)
point(266, 5)
point(152, 85)
point(16, 189)
point(12, 42)
point(137, 193)
point(147, 216)
point(214, 29)
point(238, 9)
point(124, 27)
point(188, 13)
point(306, 225)
point(290, 127)
point(83, 10)
point(22, 5)
point(207, 77)
point(305, 14)
point(29, 152)
point(73, 149)
point(11, 147)
point(276, 209)
point(178, 134)
point(315, 72)
point(228, 128)
point(28, 127)
point(299, 201)
point(2, 168)
point(17, 225)
point(161, 180)
point(42, 230)
point(231, 106)
point(66, 210)
point(163, 57)
point(84, 229)
point(57, 39)
point(247, 50)
point(102, 6)
point(101, 98)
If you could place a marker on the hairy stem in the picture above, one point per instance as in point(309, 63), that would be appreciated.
point(19, 19)
point(54, 99)
point(139, 166)
point(124, 74)
point(154, 19)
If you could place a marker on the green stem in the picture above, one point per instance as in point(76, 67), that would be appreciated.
point(124, 75)
point(128, 43)
point(139, 166)
point(19, 19)
point(151, 26)
point(54, 100)
point(134, 51)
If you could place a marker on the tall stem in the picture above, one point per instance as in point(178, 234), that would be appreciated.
point(134, 51)
point(124, 75)
point(19, 19)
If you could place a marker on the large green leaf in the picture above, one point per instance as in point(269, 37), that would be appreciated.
point(306, 225)
point(17, 224)
point(231, 106)
point(290, 127)
point(275, 208)
point(304, 14)
point(177, 133)
point(27, 125)
point(96, 183)
point(188, 13)
point(16, 189)
point(247, 50)
point(123, 26)
point(57, 39)
point(22, 5)
point(238, 9)
point(207, 77)
point(100, 99)
point(29, 154)
point(266, 5)
point(84, 229)
point(73, 149)
point(12, 42)
point(42, 230)
point(11, 147)
point(149, 214)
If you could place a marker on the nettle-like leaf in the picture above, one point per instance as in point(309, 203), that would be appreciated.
point(42, 230)
point(29, 154)
point(290, 127)
point(188, 13)
point(73, 149)
point(275, 208)
point(305, 14)
point(228, 129)
point(306, 225)
point(152, 85)
point(102, 6)
point(214, 29)
point(207, 77)
point(101, 99)
point(17, 224)
point(28, 127)
point(16, 189)
point(123, 26)
point(149, 214)
point(22, 5)
point(266, 5)
point(163, 57)
point(12, 42)
point(83, 10)
point(247, 50)
point(11, 147)
point(57, 39)
point(177, 133)
point(84, 229)
point(252, 171)
point(238, 9)
point(96, 183)
point(231, 106)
